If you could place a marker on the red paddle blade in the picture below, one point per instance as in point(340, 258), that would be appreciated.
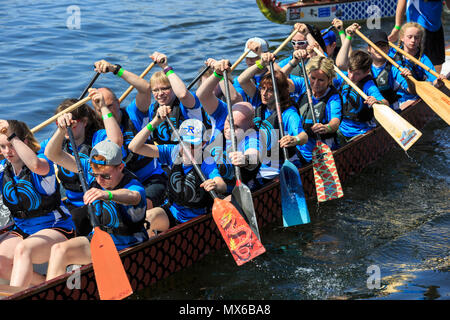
point(239, 237)
point(328, 184)
point(110, 275)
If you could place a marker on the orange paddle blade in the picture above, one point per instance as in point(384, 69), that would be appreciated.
point(239, 237)
point(328, 184)
point(110, 275)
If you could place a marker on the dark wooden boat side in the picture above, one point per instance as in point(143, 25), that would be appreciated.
point(187, 243)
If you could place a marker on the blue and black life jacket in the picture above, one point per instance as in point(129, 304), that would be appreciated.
point(354, 108)
point(184, 188)
point(68, 179)
point(319, 112)
point(112, 216)
point(382, 82)
point(22, 198)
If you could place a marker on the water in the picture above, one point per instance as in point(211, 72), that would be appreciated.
point(394, 216)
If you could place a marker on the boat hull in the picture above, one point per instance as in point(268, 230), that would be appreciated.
point(187, 243)
point(326, 11)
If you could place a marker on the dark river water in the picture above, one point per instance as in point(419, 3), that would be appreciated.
point(393, 220)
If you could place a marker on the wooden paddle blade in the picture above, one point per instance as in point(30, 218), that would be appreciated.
point(293, 203)
point(399, 129)
point(239, 237)
point(243, 197)
point(112, 280)
point(326, 177)
point(434, 98)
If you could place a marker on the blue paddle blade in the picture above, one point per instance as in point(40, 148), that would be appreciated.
point(293, 203)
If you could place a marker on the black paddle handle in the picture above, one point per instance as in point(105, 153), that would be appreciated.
point(89, 85)
point(237, 170)
point(188, 153)
point(81, 176)
point(278, 105)
point(309, 95)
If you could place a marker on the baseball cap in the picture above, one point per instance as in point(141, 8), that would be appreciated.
point(328, 37)
point(378, 36)
point(191, 131)
point(108, 149)
point(264, 46)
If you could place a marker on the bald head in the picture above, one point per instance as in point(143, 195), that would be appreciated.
point(243, 114)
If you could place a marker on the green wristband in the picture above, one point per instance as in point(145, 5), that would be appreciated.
point(106, 116)
point(217, 75)
point(168, 73)
point(341, 32)
point(397, 27)
point(349, 37)
point(259, 65)
point(110, 195)
point(329, 128)
point(150, 127)
point(120, 72)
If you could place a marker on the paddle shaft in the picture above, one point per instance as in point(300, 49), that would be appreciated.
point(237, 170)
point(278, 105)
point(81, 102)
point(77, 156)
point(309, 95)
point(188, 153)
point(417, 61)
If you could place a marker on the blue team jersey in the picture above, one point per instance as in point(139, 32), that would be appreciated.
point(44, 185)
point(168, 153)
point(425, 13)
point(349, 127)
point(395, 81)
point(333, 109)
point(139, 120)
point(132, 213)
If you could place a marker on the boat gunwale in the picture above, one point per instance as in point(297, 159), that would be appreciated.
point(172, 232)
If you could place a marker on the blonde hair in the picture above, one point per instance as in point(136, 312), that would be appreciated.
point(326, 65)
point(413, 25)
point(159, 77)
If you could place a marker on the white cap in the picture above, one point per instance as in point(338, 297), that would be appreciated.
point(264, 46)
point(191, 131)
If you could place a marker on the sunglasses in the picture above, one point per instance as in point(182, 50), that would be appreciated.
point(103, 176)
point(299, 42)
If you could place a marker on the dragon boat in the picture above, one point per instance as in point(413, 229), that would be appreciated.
point(323, 12)
point(185, 244)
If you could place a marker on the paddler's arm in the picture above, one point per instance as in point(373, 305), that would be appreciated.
point(143, 97)
point(178, 86)
point(138, 144)
point(53, 150)
point(205, 92)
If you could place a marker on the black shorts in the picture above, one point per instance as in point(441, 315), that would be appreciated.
point(14, 229)
point(155, 189)
point(172, 221)
point(435, 46)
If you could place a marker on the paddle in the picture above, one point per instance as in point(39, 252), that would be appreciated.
point(83, 101)
point(398, 128)
point(293, 203)
point(112, 280)
point(326, 177)
point(416, 61)
point(241, 193)
point(435, 98)
point(243, 244)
